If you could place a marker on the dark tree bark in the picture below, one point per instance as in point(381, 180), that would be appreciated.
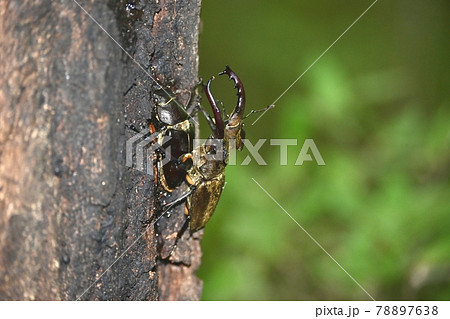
point(71, 212)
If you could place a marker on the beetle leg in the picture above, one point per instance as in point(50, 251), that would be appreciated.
point(208, 118)
point(189, 180)
point(185, 157)
point(194, 99)
point(224, 111)
point(170, 205)
point(180, 199)
point(166, 103)
point(180, 234)
point(196, 106)
point(193, 105)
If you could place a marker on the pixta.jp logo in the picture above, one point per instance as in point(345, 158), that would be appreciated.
point(146, 148)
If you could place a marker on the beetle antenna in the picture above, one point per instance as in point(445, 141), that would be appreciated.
point(268, 107)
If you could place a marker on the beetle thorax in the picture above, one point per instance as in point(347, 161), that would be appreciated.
point(209, 160)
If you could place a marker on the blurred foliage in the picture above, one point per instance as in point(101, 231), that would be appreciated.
point(377, 105)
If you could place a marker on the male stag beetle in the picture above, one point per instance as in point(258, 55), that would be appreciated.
point(202, 168)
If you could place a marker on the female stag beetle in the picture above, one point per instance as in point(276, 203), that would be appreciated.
point(202, 168)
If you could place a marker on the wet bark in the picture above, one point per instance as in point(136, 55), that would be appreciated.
point(71, 211)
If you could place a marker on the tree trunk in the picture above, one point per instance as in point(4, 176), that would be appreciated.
point(71, 211)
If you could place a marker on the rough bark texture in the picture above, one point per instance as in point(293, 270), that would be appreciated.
point(69, 100)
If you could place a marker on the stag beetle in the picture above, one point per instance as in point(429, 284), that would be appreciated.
point(202, 168)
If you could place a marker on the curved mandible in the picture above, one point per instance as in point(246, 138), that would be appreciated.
point(220, 126)
point(238, 113)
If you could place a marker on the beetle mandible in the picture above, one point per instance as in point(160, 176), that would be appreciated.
point(203, 168)
point(207, 174)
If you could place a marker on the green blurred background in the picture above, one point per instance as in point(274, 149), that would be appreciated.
point(378, 108)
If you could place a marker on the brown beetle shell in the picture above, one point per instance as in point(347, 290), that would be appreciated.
point(203, 202)
point(208, 175)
